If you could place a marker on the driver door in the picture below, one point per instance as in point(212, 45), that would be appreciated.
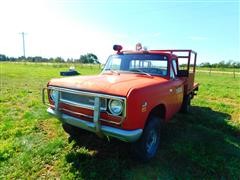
point(176, 90)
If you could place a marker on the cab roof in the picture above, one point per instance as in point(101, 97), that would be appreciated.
point(168, 52)
point(148, 52)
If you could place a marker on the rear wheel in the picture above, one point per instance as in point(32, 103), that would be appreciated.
point(146, 147)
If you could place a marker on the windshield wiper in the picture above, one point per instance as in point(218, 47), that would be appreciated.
point(140, 71)
point(112, 71)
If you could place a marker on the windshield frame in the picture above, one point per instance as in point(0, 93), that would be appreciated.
point(165, 56)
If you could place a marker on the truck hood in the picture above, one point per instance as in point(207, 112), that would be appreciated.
point(114, 84)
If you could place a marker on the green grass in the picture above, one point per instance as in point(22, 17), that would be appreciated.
point(202, 144)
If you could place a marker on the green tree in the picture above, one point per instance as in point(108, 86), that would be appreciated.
point(58, 60)
point(89, 58)
point(205, 64)
point(3, 57)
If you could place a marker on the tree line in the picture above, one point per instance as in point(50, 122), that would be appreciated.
point(222, 64)
point(88, 58)
point(91, 58)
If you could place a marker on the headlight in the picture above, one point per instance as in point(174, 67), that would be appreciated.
point(115, 107)
point(54, 95)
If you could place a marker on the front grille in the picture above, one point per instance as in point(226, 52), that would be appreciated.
point(84, 101)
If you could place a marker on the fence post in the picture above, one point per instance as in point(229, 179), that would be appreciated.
point(234, 75)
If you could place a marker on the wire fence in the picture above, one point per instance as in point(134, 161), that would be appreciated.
point(234, 72)
point(59, 65)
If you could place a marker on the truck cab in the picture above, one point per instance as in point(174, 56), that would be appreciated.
point(136, 93)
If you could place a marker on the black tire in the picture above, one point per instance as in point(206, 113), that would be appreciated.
point(186, 104)
point(146, 147)
point(73, 132)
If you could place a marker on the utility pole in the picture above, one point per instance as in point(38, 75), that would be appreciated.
point(22, 33)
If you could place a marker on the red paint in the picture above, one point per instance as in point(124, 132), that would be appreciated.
point(138, 90)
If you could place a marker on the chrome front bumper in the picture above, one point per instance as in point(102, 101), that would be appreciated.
point(124, 135)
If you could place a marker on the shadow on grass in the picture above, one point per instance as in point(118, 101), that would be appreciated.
point(200, 144)
point(94, 158)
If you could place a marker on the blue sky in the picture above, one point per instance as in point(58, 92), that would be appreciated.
point(71, 28)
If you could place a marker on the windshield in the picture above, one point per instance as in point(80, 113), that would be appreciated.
point(151, 64)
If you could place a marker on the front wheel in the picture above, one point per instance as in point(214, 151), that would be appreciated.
point(146, 147)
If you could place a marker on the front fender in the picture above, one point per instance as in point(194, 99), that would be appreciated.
point(140, 103)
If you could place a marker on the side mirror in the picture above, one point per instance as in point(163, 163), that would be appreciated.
point(182, 73)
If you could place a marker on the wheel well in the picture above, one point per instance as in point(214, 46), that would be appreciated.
point(158, 111)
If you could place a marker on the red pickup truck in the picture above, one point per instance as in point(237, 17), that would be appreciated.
point(134, 95)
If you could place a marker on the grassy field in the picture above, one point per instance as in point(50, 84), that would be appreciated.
point(202, 144)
